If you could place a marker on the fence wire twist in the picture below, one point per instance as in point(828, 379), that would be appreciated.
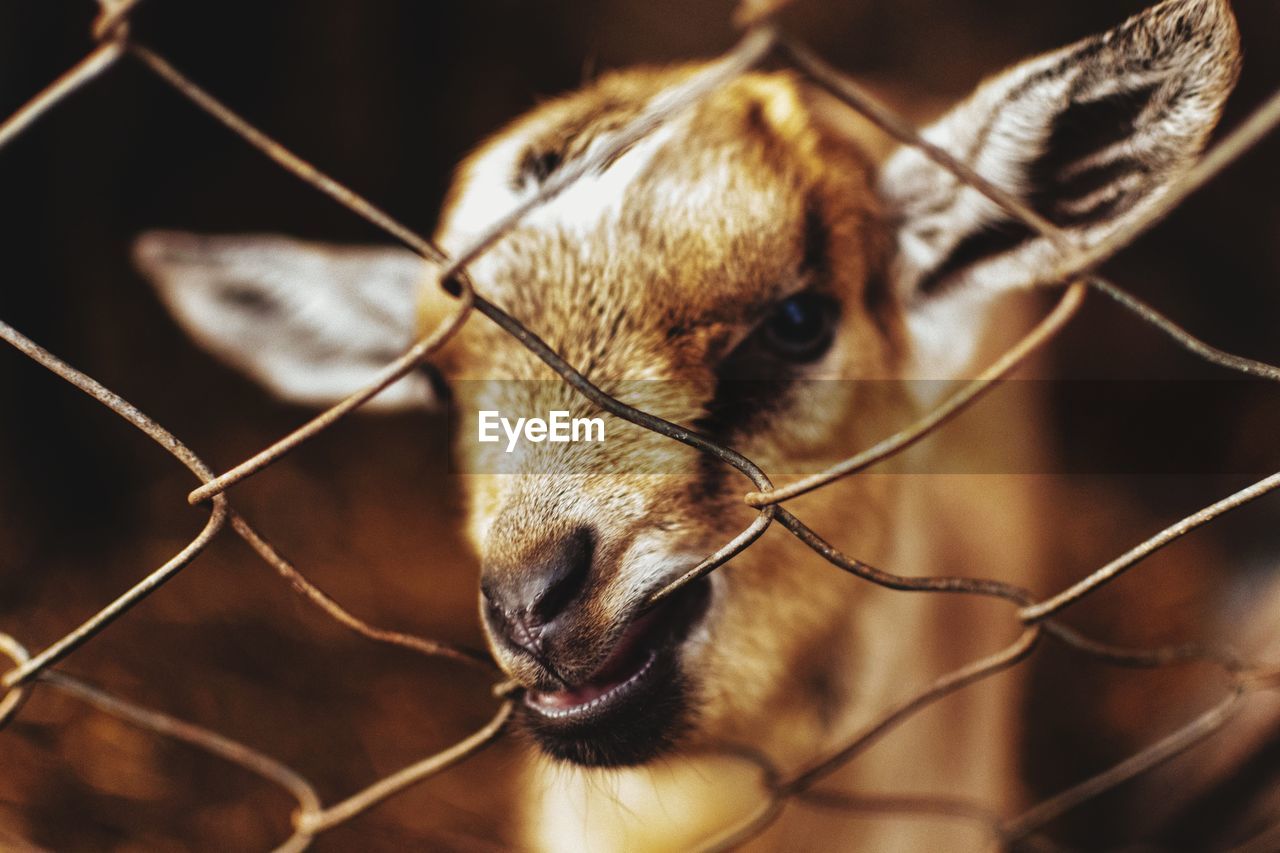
point(762, 39)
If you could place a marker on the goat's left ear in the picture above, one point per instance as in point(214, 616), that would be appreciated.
point(310, 321)
point(1090, 136)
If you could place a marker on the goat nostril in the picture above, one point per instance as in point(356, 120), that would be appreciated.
point(492, 606)
point(520, 601)
point(564, 575)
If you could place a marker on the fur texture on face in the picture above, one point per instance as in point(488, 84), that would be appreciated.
point(709, 225)
point(747, 271)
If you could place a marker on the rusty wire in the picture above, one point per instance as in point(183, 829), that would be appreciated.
point(1033, 616)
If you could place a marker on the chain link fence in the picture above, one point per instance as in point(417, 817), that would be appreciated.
point(762, 39)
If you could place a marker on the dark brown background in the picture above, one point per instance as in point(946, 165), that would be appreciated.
point(387, 95)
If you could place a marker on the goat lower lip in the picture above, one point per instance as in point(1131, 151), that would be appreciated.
point(587, 698)
point(632, 661)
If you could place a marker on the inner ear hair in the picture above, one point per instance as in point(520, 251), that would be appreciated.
point(1088, 135)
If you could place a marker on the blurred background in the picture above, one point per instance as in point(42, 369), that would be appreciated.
point(387, 95)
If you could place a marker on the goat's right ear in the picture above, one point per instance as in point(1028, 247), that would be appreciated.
point(313, 323)
point(1091, 136)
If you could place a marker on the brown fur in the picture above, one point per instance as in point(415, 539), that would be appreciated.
point(653, 277)
point(805, 637)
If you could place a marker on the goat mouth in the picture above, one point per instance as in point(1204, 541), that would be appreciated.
point(634, 704)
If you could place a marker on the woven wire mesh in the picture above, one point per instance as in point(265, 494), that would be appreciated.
point(762, 39)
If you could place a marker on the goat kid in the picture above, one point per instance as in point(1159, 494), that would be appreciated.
point(759, 235)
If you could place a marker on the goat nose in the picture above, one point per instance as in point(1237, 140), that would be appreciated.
point(521, 601)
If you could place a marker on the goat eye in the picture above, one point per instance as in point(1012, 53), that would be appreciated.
point(801, 327)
